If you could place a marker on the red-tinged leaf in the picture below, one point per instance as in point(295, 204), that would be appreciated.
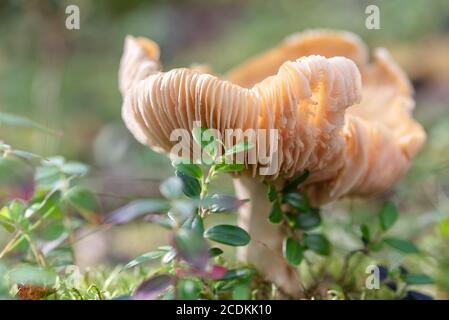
point(136, 209)
point(214, 272)
point(192, 248)
point(151, 289)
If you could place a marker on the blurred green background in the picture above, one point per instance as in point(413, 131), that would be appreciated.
point(67, 80)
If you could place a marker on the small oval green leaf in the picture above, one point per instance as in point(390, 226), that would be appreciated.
point(388, 215)
point(297, 200)
point(191, 186)
point(189, 169)
point(401, 245)
point(275, 215)
point(228, 234)
point(317, 243)
point(293, 251)
point(308, 220)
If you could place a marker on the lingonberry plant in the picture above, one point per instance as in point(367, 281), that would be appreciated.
point(43, 204)
point(191, 267)
point(299, 219)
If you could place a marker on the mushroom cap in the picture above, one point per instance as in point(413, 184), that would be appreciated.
point(353, 140)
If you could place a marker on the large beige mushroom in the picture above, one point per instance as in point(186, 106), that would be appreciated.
point(353, 139)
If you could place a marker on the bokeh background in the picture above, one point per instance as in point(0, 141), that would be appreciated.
point(67, 80)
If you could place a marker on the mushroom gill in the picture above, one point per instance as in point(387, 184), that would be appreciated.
point(353, 140)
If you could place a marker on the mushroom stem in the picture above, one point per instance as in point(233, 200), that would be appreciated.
point(264, 251)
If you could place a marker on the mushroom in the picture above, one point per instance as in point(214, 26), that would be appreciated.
point(353, 139)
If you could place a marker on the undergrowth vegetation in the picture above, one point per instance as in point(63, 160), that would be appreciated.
point(45, 203)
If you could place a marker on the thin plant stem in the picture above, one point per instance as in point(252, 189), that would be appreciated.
point(10, 245)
